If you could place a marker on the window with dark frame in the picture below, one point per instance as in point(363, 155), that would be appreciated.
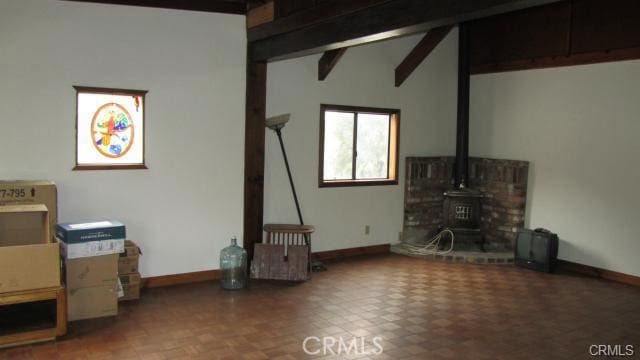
point(109, 128)
point(358, 146)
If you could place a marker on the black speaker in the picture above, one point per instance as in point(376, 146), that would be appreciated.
point(536, 249)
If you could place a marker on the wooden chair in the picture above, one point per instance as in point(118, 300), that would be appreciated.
point(284, 253)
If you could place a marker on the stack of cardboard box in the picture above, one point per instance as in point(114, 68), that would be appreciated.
point(128, 271)
point(29, 258)
point(91, 252)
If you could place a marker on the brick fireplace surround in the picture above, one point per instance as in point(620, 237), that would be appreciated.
point(502, 182)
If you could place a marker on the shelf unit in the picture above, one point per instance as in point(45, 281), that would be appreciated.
point(29, 327)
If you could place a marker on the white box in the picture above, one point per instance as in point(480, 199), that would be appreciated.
point(91, 248)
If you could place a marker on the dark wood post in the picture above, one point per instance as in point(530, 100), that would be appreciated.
point(256, 99)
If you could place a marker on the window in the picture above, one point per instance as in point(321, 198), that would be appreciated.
point(109, 128)
point(358, 146)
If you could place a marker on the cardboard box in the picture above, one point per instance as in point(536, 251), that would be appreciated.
point(91, 248)
point(28, 258)
point(91, 271)
point(92, 287)
point(128, 262)
point(24, 225)
point(22, 192)
point(131, 286)
point(128, 265)
point(130, 249)
point(92, 302)
point(29, 267)
point(131, 292)
point(72, 233)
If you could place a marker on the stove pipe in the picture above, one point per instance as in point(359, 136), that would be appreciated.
point(461, 173)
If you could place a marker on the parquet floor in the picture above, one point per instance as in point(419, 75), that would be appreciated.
point(419, 309)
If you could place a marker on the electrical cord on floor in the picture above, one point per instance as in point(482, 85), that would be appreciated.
point(431, 247)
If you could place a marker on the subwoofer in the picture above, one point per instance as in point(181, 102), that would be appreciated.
point(536, 249)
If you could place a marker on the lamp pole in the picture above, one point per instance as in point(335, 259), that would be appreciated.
point(286, 164)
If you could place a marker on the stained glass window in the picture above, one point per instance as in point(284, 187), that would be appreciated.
point(109, 129)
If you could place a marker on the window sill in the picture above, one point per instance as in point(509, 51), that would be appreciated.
point(111, 167)
point(347, 183)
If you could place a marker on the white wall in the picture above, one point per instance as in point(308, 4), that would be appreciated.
point(363, 77)
point(579, 128)
point(182, 210)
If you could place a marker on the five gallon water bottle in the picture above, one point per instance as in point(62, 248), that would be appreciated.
point(233, 264)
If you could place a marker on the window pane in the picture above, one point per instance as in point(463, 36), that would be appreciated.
point(373, 146)
point(338, 145)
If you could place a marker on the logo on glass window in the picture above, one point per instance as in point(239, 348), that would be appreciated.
point(112, 130)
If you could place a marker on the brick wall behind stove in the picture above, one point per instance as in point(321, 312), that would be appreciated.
point(426, 180)
point(503, 182)
point(504, 186)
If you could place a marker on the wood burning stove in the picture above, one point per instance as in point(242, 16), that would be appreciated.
point(462, 205)
point(462, 209)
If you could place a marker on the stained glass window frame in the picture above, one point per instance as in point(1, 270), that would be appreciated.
point(90, 103)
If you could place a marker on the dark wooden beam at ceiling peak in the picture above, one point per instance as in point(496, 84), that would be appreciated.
point(420, 52)
point(328, 60)
point(221, 6)
point(389, 19)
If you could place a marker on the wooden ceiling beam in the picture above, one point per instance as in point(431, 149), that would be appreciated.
point(375, 23)
point(420, 52)
point(328, 60)
point(323, 11)
point(260, 15)
point(221, 6)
